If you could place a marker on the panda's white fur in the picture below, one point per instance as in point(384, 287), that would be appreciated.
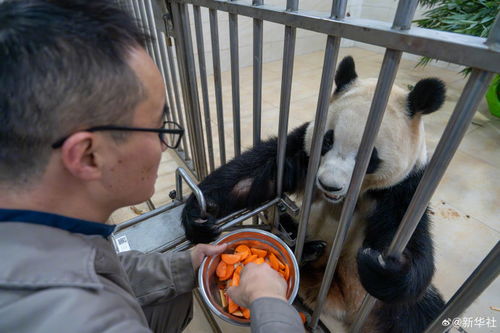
point(249, 180)
point(400, 141)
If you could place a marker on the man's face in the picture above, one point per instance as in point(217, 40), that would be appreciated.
point(131, 174)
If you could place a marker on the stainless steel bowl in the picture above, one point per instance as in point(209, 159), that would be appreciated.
point(253, 238)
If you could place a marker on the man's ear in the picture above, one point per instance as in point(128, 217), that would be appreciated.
point(79, 158)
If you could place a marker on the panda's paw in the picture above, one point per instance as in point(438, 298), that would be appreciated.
point(199, 229)
point(384, 277)
point(313, 250)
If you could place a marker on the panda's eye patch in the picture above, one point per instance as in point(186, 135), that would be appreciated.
point(327, 142)
point(374, 162)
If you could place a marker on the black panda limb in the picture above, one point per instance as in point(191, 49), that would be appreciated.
point(390, 279)
point(245, 182)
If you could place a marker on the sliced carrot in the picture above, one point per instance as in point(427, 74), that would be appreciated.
point(238, 269)
point(232, 307)
point(259, 261)
point(287, 272)
point(221, 269)
point(243, 250)
point(238, 313)
point(236, 280)
point(259, 252)
point(246, 312)
point(229, 272)
point(303, 317)
point(251, 258)
point(231, 259)
point(274, 262)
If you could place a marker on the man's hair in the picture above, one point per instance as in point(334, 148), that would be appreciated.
point(63, 67)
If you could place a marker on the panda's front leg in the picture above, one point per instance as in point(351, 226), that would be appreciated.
point(393, 279)
point(247, 181)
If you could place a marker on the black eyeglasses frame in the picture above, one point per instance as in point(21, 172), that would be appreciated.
point(161, 132)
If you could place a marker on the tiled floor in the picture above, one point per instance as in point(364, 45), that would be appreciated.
point(465, 206)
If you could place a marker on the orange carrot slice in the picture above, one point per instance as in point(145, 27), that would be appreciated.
point(238, 313)
point(259, 261)
point(287, 272)
point(236, 280)
point(232, 307)
point(274, 262)
point(229, 272)
point(246, 312)
point(231, 259)
point(259, 252)
point(250, 258)
point(303, 317)
point(221, 269)
point(243, 250)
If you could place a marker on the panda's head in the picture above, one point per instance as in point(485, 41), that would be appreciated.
point(399, 146)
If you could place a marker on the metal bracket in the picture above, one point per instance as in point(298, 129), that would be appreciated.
point(180, 174)
point(288, 205)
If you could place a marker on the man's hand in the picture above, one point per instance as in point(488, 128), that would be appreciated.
point(200, 251)
point(256, 281)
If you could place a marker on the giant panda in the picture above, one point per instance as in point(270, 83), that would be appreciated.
point(407, 300)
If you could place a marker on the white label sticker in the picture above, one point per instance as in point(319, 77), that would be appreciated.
point(122, 243)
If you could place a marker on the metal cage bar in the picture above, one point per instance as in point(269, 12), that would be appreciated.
point(235, 81)
point(258, 30)
point(204, 84)
point(152, 28)
point(214, 30)
point(185, 59)
point(379, 102)
point(173, 73)
point(446, 46)
point(448, 144)
point(329, 64)
point(475, 284)
point(465, 50)
point(144, 17)
point(286, 90)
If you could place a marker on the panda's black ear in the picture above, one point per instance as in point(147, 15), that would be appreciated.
point(426, 97)
point(346, 73)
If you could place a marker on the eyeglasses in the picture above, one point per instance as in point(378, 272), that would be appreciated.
point(170, 133)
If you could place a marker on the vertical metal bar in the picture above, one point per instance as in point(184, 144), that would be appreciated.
point(140, 21)
point(329, 65)
point(448, 144)
point(257, 74)
point(257, 80)
point(286, 89)
point(194, 116)
point(178, 106)
point(144, 17)
point(188, 77)
point(204, 84)
point(402, 21)
point(475, 284)
point(156, 41)
point(235, 81)
point(207, 312)
point(168, 81)
point(214, 30)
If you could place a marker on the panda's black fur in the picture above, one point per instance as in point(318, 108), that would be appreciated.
point(408, 301)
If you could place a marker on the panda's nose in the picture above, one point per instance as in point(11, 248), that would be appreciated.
point(329, 188)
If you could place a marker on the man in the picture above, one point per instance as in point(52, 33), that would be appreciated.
point(81, 134)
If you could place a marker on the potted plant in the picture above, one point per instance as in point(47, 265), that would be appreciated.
point(471, 17)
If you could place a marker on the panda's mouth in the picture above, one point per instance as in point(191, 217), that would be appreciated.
point(334, 198)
